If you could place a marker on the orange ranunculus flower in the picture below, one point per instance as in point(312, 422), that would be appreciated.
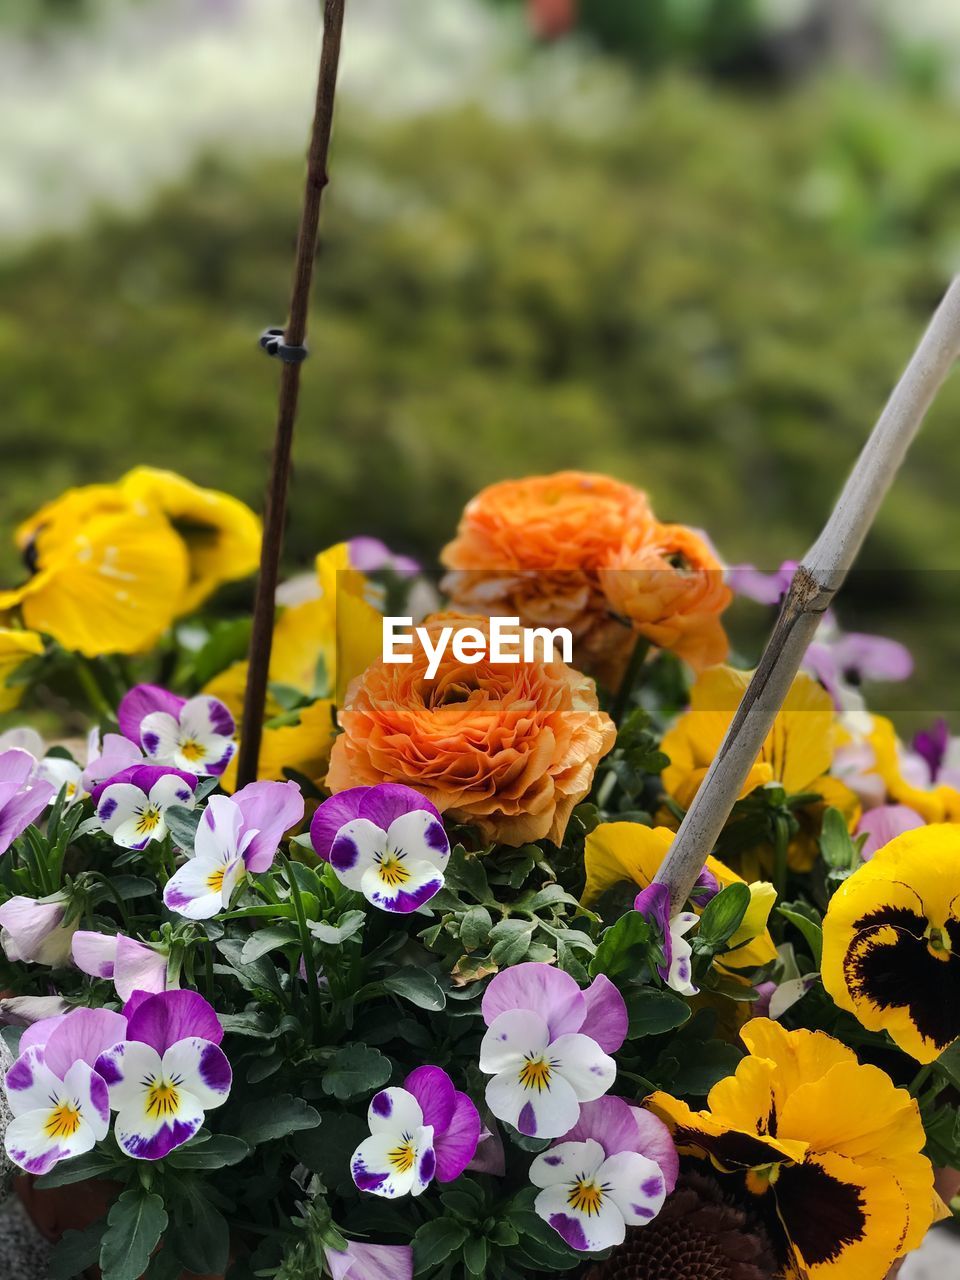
point(507, 747)
point(669, 583)
point(534, 548)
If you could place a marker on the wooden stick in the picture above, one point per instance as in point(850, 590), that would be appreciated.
point(275, 507)
point(817, 580)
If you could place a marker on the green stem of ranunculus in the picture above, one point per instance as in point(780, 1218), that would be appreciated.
point(630, 677)
point(306, 946)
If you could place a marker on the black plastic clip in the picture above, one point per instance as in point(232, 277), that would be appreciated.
point(273, 344)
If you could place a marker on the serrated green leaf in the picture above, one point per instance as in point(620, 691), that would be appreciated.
point(417, 986)
point(652, 1011)
point(354, 1071)
point(213, 1153)
point(275, 1117)
point(134, 1227)
point(435, 1241)
point(266, 940)
point(75, 1252)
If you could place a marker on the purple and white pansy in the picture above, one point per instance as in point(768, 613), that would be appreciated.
point(360, 1261)
point(131, 806)
point(386, 842)
point(654, 903)
point(166, 1072)
point(33, 930)
point(426, 1129)
point(132, 965)
point(613, 1170)
point(59, 1101)
point(196, 734)
point(23, 796)
point(548, 1046)
point(235, 836)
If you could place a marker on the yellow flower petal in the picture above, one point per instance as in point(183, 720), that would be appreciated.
point(303, 747)
point(623, 852)
point(16, 647)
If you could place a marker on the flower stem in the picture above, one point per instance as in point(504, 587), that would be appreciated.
point(781, 846)
point(99, 702)
point(630, 677)
point(306, 946)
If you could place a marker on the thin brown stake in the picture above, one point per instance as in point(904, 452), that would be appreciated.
point(275, 506)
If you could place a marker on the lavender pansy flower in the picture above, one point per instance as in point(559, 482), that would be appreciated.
point(548, 1045)
point(195, 734)
point(132, 965)
point(58, 1100)
point(935, 758)
point(235, 835)
point(386, 842)
point(452, 1116)
point(654, 903)
point(24, 1011)
point(765, 588)
point(32, 930)
point(880, 825)
point(23, 797)
point(369, 1261)
point(623, 1126)
point(131, 806)
point(108, 758)
point(166, 1073)
point(370, 554)
point(398, 1158)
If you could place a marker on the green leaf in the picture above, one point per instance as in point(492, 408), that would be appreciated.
point(475, 1253)
point(227, 642)
point(75, 1252)
point(652, 1012)
point(435, 1241)
point(334, 935)
point(326, 1150)
point(464, 873)
point(949, 1063)
point(624, 947)
point(723, 916)
point(703, 1064)
point(91, 1165)
point(213, 1153)
point(182, 824)
point(266, 940)
point(798, 913)
point(418, 986)
point(134, 1227)
point(202, 1240)
point(275, 1117)
point(475, 925)
point(838, 849)
point(354, 1071)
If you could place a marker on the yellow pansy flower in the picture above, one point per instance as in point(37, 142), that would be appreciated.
point(938, 804)
point(628, 852)
point(303, 747)
point(835, 1147)
point(106, 572)
point(15, 648)
point(891, 941)
point(221, 533)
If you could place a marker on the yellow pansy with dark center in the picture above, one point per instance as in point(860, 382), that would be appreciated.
point(891, 941)
point(827, 1149)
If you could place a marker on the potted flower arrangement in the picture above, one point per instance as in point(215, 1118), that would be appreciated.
point(324, 957)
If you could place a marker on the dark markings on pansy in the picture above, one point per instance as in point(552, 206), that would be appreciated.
point(436, 837)
point(161, 1143)
point(570, 1229)
point(151, 743)
point(898, 917)
point(365, 1180)
point(527, 1123)
point(344, 853)
point(107, 809)
point(733, 1150)
point(652, 1186)
point(642, 1211)
point(20, 1075)
point(109, 1066)
point(214, 1069)
point(428, 1165)
point(902, 973)
point(822, 1215)
point(382, 1104)
point(221, 721)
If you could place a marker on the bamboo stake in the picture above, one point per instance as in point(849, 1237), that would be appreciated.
point(817, 580)
point(275, 506)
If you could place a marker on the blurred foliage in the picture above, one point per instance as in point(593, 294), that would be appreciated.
point(709, 298)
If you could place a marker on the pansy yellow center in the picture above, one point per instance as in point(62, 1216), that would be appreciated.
point(215, 879)
point(163, 1099)
point(761, 1180)
point(148, 820)
point(392, 871)
point(192, 750)
point(535, 1074)
point(401, 1158)
point(938, 942)
point(63, 1121)
point(586, 1197)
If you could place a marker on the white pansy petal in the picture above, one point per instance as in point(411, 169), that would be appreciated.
point(87, 1091)
point(394, 1111)
point(206, 718)
point(159, 736)
point(510, 1037)
point(62, 773)
point(398, 885)
point(201, 1068)
point(356, 847)
point(392, 1165)
point(129, 1068)
point(636, 1186)
point(171, 789)
point(196, 890)
point(683, 922)
point(157, 1122)
point(584, 1065)
point(566, 1161)
point(30, 1085)
point(543, 1111)
point(419, 835)
point(681, 965)
point(218, 833)
point(138, 831)
point(586, 1218)
point(118, 803)
point(37, 1141)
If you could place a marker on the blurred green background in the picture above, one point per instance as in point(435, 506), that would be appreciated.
point(688, 242)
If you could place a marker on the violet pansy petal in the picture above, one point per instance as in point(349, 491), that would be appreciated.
point(145, 1136)
point(144, 777)
point(333, 814)
point(387, 801)
point(271, 809)
point(456, 1146)
point(139, 702)
point(163, 1019)
point(95, 953)
point(872, 657)
point(370, 1261)
point(16, 766)
point(82, 1036)
point(17, 814)
point(609, 1121)
point(434, 1091)
point(885, 822)
point(656, 1143)
point(138, 968)
point(606, 1021)
point(548, 992)
point(654, 903)
point(37, 1035)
